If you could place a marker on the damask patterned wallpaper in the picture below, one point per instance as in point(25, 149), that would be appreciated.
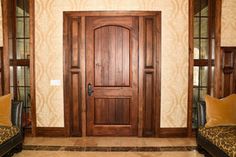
point(49, 55)
point(228, 23)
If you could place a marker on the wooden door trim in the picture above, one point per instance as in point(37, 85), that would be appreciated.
point(32, 65)
point(218, 54)
point(110, 13)
point(157, 66)
point(6, 62)
point(190, 68)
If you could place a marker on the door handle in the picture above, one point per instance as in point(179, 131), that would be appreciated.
point(90, 89)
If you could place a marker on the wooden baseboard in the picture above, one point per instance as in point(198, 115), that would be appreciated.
point(50, 131)
point(173, 132)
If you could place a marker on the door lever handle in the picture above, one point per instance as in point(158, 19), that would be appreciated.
point(90, 89)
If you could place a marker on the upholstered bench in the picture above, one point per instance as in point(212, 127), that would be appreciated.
point(11, 137)
point(223, 137)
point(7, 133)
point(218, 141)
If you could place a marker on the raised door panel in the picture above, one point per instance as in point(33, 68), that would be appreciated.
point(149, 43)
point(149, 109)
point(112, 70)
point(76, 104)
point(112, 111)
point(111, 56)
point(229, 70)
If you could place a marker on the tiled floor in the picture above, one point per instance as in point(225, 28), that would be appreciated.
point(109, 146)
point(110, 141)
point(106, 154)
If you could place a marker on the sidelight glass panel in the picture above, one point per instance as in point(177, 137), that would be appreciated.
point(212, 79)
point(10, 49)
point(196, 50)
point(204, 7)
point(196, 76)
point(197, 7)
point(195, 95)
point(203, 93)
point(194, 109)
point(26, 7)
point(11, 76)
point(21, 93)
point(204, 27)
point(27, 49)
point(213, 49)
point(27, 97)
point(203, 76)
point(20, 8)
point(20, 48)
point(27, 28)
point(27, 76)
point(12, 92)
point(204, 52)
point(204, 49)
point(20, 27)
point(19, 58)
point(20, 76)
point(196, 27)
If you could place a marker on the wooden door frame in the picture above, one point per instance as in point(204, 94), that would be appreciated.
point(155, 69)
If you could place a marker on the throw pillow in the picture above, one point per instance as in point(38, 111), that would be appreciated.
point(5, 110)
point(221, 112)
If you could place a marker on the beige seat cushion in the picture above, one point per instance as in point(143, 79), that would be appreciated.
point(5, 110)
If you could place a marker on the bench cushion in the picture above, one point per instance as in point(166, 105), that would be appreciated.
point(224, 137)
point(7, 132)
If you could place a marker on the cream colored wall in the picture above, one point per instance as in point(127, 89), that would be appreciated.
point(1, 33)
point(228, 23)
point(49, 55)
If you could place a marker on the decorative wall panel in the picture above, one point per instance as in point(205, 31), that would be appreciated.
point(49, 55)
point(229, 70)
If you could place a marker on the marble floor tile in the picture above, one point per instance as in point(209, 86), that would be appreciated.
point(26, 153)
point(110, 141)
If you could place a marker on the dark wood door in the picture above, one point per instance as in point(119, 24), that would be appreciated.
point(112, 75)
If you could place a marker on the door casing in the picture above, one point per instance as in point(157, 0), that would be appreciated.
point(149, 70)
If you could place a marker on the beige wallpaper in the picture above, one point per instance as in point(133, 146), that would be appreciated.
point(1, 33)
point(49, 55)
point(228, 23)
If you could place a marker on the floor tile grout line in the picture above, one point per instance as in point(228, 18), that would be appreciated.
point(108, 149)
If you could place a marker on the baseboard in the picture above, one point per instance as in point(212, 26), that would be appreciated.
point(50, 131)
point(173, 132)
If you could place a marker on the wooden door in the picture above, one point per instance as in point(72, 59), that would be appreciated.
point(112, 75)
